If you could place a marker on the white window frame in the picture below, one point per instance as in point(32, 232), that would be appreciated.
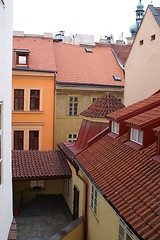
point(72, 138)
point(94, 99)
point(126, 231)
point(115, 127)
point(94, 200)
point(37, 184)
point(136, 136)
point(72, 107)
point(67, 186)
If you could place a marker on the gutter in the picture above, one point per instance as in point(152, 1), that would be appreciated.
point(118, 60)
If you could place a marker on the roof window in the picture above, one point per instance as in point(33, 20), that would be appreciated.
point(136, 136)
point(115, 127)
point(88, 50)
point(22, 57)
point(117, 78)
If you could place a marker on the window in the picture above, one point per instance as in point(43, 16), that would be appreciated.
point(141, 42)
point(115, 127)
point(124, 232)
point(117, 78)
point(18, 140)
point(67, 186)
point(37, 184)
point(72, 137)
point(88, 50)
point(18, 99)
point(34, 99)
point(94, 200)
point(0, 143)
point(33, 140)
point(22, 57)
point(136, 135)
point(94, 99)
point(153, 37)
point(73, 106)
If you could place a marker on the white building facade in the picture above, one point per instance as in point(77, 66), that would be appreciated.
point(6, 9)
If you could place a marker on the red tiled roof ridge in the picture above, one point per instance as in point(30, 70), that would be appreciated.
point(105, 104)
point(39, 164)
point(136, 108)
point(144, 119)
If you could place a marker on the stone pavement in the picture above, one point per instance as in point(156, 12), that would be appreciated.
point(43, 218)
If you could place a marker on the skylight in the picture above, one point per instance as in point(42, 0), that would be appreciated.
point(88, 50)
point(117, 78)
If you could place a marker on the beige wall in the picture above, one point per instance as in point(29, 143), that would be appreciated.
point(105, 225)
point(65, 124)
point(142, 71)
point(75, 234)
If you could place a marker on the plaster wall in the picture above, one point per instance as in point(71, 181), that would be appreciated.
point(5, 98)
point(42, 120)
point(142, 67)
point(66, 124)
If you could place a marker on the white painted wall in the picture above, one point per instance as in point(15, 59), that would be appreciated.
point(142, 69)
point(5, 97)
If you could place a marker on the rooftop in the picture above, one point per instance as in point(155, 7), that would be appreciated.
point(28, 164)
point(76, 66)
point(41, 52)
point(136, 108)
point(104, 105)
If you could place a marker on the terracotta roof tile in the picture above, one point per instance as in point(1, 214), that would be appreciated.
point(157, 130)
point(128, 179)
point(39, 164)
point(136, 108)
point(75, 65)
point(104, 105)
point(41, 56)
point(145, 119)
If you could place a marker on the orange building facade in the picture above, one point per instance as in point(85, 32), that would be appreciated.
point(33, 92)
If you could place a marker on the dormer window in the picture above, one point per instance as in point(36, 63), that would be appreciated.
point(115, 127)
point(22, 57)
point(136, 136)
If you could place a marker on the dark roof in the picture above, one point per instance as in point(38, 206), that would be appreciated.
point(136, 108)
point(129, 180)
point(28, 164)
point(104, 105)
point(156, 13)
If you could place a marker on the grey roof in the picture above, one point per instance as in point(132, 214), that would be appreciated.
point(156, 13)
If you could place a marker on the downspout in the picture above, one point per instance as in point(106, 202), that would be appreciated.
point(86, 200)
point(54, 107)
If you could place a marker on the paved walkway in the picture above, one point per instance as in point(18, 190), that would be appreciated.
point(42, 218)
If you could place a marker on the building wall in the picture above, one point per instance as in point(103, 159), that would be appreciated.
point(42, 120)
point(103, 226)
point(66, 124)
point(5, 99)
point(142, 67)
point(50, 187)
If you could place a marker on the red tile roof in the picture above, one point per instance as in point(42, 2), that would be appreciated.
point(104, 105)
point(39, 165)
point(136, 108)
point(145, 119)
point(75, 65)
point(129, 180)
point(156, 130)
point(122, 51)
point(41, 56)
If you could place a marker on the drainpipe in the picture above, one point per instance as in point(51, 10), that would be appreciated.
point(86, 200)
point(54, 108)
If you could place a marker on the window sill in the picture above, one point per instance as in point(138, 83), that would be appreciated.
point(22, 112)
point(113, 135)
point(133, 145)
point(22, 66)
